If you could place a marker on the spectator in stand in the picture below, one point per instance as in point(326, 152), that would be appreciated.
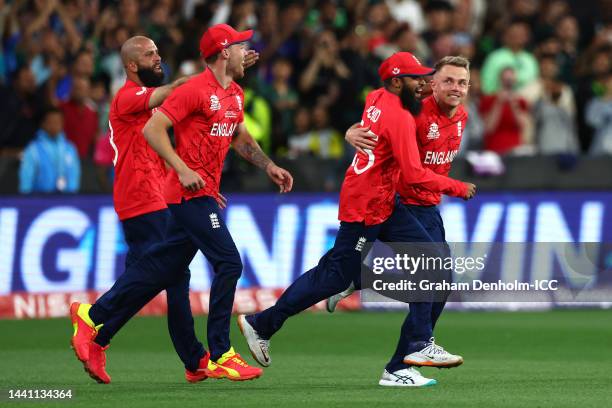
point(513, 54)
point(82, 67)
point(379, 26)
point(298, 142)
point(599, 116)
point(364, 75)
point(44, 63)
point(322, 141)
point(525, 10)
point(21, 108)
point(441, 45)
point(408, 11)
point(474, 128)
point(103, 152)
point(283, 100)
point(80, 117)
point(242, 16)
point(130, 15)
point(320, 81)
point(50, 162)
point(326, 16)
point(404, 39)
point(554, 110)
point(505, 115)
point(103, 159)
point(468, 17)
point(439, 16)
point(101, 101)
point(548, 18)
point(161, 28)
point(285, 36)
point(596, 65)
point(316, 53)
point(568, 33)
point(258, 118)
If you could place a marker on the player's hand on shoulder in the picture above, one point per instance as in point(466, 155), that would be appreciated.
point(280, 177)
point(181, 81)
point(250, 59)
point(360, 137)
point(471, 190)
point(191, 180)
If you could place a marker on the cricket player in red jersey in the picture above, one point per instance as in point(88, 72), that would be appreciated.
point(207, 114)
point(440, 125)
point(141, 206)
point(367, 208)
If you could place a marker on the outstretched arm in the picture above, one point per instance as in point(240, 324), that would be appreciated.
point(248, 148)
point(406, 152)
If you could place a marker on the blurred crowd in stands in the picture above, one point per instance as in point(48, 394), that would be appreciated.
point(541, 74)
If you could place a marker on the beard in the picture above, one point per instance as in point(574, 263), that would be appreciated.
point(410, 101)
point(150, 78)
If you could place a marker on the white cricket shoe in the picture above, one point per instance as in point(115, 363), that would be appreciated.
point(258, 346)
point(433, 355)
point(407, 377)
point(333, 301)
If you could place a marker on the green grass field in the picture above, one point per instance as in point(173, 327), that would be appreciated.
point(544, 359)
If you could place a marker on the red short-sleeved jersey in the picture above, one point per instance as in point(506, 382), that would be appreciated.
point(205, 116)
point(438, 137)
point(139, 171)
point(368, 191)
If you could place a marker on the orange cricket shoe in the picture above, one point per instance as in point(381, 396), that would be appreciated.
point(84, 330)
point(203, 371)
point(233, 367)
point(96, 365)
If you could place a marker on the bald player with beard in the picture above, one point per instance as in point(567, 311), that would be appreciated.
point(139, 202)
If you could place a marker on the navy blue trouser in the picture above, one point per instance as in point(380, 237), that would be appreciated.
point(195, 224)
point(141, 233)
point(334, 273)
point(422, 224)
point(340, 266)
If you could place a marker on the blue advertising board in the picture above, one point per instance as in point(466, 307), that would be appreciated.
point(75, 243)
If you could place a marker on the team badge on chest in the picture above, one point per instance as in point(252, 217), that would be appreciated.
point(215, 105)
point(434, 132)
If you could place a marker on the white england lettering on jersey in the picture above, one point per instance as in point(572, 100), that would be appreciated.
point(440, 157)
point(223, 129)
point(459, 129)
